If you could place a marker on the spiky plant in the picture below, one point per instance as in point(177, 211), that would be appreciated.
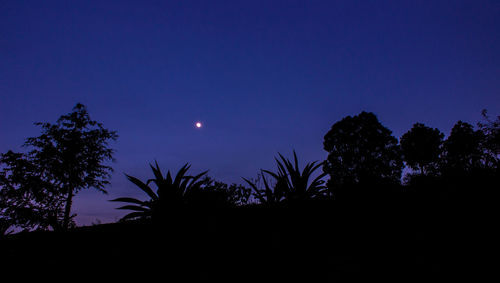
point(291, 184)
point(170, 194)
point(297, 183)
point(271, 194)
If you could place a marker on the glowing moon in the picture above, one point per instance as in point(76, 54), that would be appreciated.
point(198, 125)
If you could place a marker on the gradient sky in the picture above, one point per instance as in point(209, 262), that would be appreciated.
point(263, 76)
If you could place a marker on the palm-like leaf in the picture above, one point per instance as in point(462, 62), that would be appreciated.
point(130, 200)
point(134, 215)
point(257, 191)
point(134, 208)
point(144, 187)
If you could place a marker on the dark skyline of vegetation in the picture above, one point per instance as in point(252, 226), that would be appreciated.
point(252, 140)
point(291, 221)
point(263, 77)
point(364, 159)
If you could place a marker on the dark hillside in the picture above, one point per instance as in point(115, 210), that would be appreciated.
point(317, 242)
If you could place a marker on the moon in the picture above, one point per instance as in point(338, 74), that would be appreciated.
point(198, 125)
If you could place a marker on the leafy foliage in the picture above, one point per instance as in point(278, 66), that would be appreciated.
point(218, 194)
point(421, 148)
point(491, 131)
point(67, 157)
point(27, 199)
point(463, 148)
point(361, 150)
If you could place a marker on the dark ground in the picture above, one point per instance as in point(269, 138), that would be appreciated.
point(319, 243)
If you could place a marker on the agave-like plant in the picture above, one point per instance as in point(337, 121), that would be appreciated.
point(170, 194)
point(297, 182)
point(290, 183)
point(271, 193)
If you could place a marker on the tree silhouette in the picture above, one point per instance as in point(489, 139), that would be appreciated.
point(291, 185)
point(171, 193)
point(361, 151)
point(67, 157)
point(27, 200)
point(421, 148)
point(469, 166)
point(463, 149)
point(491, 131)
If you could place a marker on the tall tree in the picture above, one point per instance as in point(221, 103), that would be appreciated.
point(361, 150)
point(421, 148)
point(67, 157)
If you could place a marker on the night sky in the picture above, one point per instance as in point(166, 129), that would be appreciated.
point(262, 76)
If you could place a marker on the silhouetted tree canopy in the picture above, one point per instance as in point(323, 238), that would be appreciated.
point(421, 148)
point(28, 200)
point(491, 130)
point(360, 151)
point(67, 157)
point(463, 148)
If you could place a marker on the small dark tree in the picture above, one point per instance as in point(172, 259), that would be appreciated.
point(67, 157)
point(361, 151)
point(421, 148)
point(463, 150)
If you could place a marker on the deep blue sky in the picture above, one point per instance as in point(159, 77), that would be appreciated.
point(263, 76)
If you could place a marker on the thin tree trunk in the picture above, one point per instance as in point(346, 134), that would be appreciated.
point(67, 209)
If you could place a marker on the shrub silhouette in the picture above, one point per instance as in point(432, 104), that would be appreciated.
point(171, 193)
point(212, 194)
point(290, 183)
